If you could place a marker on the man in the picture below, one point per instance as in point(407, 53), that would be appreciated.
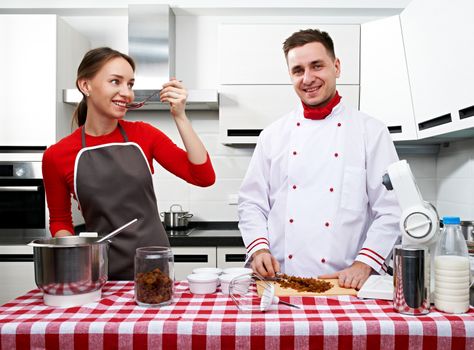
point(312, 202)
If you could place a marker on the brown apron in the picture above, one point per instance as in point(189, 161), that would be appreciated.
point(113, 185)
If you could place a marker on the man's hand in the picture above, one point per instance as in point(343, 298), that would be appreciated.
point(264, 263)
point(352, 277)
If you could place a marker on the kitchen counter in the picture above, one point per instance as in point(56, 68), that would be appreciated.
point(213, 321)
point(199, 234)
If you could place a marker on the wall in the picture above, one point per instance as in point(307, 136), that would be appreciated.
point(455, 180)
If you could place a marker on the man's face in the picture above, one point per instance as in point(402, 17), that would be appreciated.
point(313, 73)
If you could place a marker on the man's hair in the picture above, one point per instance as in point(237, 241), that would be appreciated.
point(307, 36)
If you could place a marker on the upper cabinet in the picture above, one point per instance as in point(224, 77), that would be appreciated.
point(41, 57)
point(253, 53)
point(384, 85)
point(438, 37)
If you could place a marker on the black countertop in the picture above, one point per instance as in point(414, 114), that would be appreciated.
point(198, 234)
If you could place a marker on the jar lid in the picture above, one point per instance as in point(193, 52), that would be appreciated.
point(202, 277)
point(451, 220)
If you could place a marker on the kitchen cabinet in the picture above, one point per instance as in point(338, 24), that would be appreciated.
point(231, 257)
point(247, 109)
point(384, 85)
point(188, 258)
point(253, 54)
point(17, 271)
point(40, 55)
point(439, 52)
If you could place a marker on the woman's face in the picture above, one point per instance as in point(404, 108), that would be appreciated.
point(110, 90)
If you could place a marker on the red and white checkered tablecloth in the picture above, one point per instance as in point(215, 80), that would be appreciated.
point(214, 322)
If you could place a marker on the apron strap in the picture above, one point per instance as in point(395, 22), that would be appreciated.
point(83, 134)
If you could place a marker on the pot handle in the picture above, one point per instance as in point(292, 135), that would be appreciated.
point(176, 205)
point(185, 216)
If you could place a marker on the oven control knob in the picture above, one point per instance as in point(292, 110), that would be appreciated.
point(19, 172)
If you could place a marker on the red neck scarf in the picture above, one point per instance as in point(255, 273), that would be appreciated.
point(318, 113)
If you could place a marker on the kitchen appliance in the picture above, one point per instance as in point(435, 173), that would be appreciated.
point(176, 219)
point(151, 43)
point(419, 220)
point(70, 271)
point(23, 211)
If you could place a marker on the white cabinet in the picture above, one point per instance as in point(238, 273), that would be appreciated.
point(16, 273)
point(188, 258)
point(247, 109)
point(438, 37)
point(384, 85)
point(231, 257)
point(253, 53)
point(40, 55)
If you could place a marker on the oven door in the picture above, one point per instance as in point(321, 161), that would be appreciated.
point(22, 208)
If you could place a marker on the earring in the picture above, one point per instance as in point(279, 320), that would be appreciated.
point(86, 93)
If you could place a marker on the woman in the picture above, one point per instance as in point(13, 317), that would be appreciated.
point(106, 164)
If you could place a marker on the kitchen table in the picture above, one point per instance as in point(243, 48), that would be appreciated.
point(213, 321)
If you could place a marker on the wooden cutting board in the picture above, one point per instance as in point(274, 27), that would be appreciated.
point(283, 292)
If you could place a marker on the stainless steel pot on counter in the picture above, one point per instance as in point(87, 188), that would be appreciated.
point(71, 270)
point(176, 219)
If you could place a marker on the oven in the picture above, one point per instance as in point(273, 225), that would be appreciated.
point(23, 211)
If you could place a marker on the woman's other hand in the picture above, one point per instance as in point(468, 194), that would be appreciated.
point(175, 94)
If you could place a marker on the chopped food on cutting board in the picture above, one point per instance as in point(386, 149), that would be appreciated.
point(304, 284)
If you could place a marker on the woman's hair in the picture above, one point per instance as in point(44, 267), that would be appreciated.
point(91, 64)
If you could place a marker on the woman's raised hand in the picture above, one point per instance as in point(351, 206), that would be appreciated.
point(175, 94)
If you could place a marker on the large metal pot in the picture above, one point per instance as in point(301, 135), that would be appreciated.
point(176, 219)
point(70, 266)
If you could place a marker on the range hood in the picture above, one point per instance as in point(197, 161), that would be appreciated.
point(151, 43)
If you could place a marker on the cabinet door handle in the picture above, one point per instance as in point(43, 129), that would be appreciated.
point(466, 112)
point(19, 188)
point(396, 129)
point(444, 119)
point(235, 257)
point(244, 132)
point(191, 258)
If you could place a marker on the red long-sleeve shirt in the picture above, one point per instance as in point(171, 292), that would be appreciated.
point(59, 159)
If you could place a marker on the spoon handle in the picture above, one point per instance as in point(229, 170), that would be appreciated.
point(113, 233)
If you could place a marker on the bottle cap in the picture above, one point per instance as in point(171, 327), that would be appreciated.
point(451, 220)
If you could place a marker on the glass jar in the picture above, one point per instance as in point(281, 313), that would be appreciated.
point(452, 269)
point(154, 276)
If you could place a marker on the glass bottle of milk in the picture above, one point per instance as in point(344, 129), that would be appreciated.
point(452, 269)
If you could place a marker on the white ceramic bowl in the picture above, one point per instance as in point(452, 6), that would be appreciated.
point(242, 284)
point(202, 283)
point(213, 270)
point(238, 271)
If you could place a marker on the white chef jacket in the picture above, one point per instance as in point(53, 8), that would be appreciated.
point(313, 193)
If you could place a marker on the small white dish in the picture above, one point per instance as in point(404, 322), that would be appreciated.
point(213, 270)
point(238, 271)
point(243, 283)
point(202, 283)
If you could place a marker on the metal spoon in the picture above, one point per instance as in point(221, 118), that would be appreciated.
point(113, 233)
